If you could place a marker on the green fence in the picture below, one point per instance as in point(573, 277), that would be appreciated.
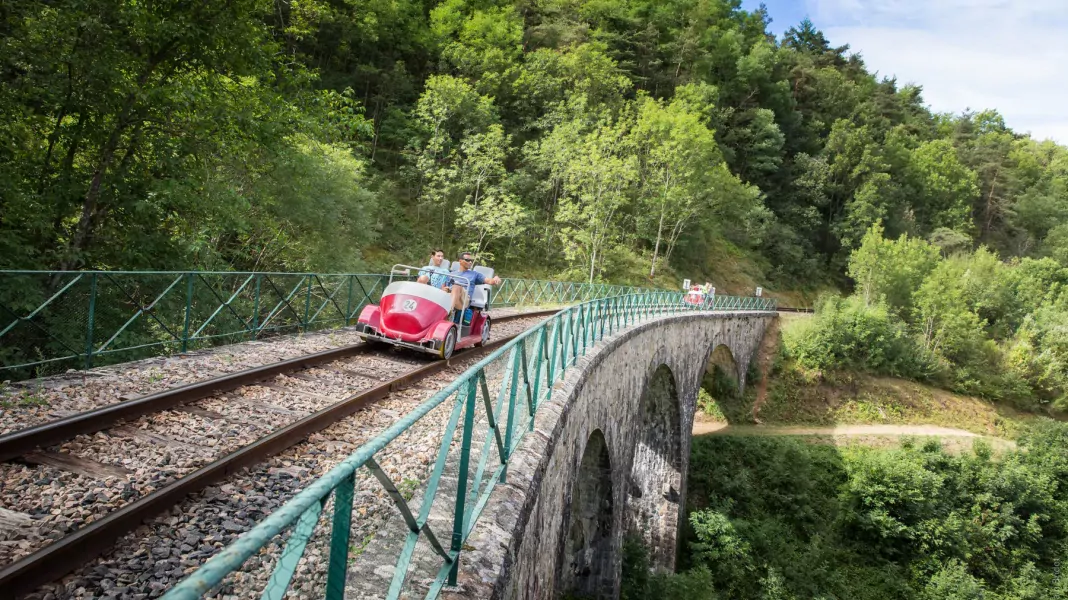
point(54, 321)
point(481, 417)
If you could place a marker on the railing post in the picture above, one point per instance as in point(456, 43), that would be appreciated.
point(348, 303)
point(540, 360)
point(460, 512)
point(519, 362)
point(92, 318)
point(307, 303)
point(256, 308)
point(339, 539)
point(188, 310)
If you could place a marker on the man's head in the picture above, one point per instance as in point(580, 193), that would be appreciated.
point(467, 260)
point(436, 257)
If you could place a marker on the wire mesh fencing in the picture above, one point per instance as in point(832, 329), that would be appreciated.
point(54, 321)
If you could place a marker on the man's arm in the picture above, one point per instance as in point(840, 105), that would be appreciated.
point(482, 279)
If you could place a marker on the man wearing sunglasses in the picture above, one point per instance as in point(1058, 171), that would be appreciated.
point(463, 289)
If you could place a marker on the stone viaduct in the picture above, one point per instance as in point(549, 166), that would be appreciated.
point(609, 455)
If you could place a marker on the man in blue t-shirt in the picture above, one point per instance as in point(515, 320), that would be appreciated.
point(463, 289)
point(434, 273)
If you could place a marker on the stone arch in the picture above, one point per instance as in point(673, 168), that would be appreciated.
point(523, 547)
point(654, 483)
point(589, 557)
point(723, 382)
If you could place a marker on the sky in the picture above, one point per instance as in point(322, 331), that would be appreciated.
point(1009, 55)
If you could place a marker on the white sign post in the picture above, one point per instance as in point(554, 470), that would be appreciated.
point(759, 291)
point(686, 284)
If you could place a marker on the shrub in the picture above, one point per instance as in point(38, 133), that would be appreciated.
point(891, 270)
point(1039, 356)
point(846, 333)
point(776, 518)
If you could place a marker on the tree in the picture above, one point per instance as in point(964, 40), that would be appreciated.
point(676, 154)
point(596, 183)
point(488, 211)
point(112, 98)
point(483, 43)
point(1056, 243)
point(891, 270)
point(945, 188)
point(462, 148)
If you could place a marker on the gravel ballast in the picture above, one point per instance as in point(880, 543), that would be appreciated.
point(28, 403)
point(156, 449)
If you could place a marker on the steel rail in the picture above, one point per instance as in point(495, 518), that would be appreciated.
point(18, 443)
point(63, 556)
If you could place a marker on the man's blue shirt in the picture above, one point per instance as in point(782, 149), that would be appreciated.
point(438, 275)
point(474, 277)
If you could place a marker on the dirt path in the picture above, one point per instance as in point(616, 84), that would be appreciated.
point(871, 435)
point(707, 427)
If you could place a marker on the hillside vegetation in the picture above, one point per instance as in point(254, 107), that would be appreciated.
point(781, 519)
point(607, 140)
point(968, 322)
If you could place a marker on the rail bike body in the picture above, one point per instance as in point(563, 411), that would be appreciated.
point(416, 315)
point(695, 296)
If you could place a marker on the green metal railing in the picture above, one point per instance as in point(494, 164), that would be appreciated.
point(54, 321)
point(486, 412)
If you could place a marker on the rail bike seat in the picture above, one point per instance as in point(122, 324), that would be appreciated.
point(480, 299)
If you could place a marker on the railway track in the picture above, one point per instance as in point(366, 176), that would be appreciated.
point(249, 416)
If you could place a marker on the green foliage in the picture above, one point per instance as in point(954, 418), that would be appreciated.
point(634, 573)
point(890, 271)
point(719, 395)
point(709, 406)
point(695, 584)
point(626, 141)
point(848, 334)
point(781, 518)
point(637, 583)
point(954, 582)
point(967, 320)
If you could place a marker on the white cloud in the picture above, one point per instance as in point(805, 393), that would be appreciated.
point(1009, 55)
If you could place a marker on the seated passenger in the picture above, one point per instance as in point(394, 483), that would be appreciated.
point(466, 288)
point(435, 274)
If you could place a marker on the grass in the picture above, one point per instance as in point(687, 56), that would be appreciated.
point(709, 408)
point(795, 397)
point(357, 549)
point(26, 398)
point(407, 488)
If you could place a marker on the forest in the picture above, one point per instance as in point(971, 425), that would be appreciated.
point(631, 141)
point(634, 142)
point(966, 321)
point(784, 519)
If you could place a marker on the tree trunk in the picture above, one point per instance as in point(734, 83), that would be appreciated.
point(990, 203)
point(659, 233)
point(84, 229)
point(79, 242)
point(375, 128)
point(593, 262)
point(676, 231)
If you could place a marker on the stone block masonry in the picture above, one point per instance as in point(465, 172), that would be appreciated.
point(609, 455)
